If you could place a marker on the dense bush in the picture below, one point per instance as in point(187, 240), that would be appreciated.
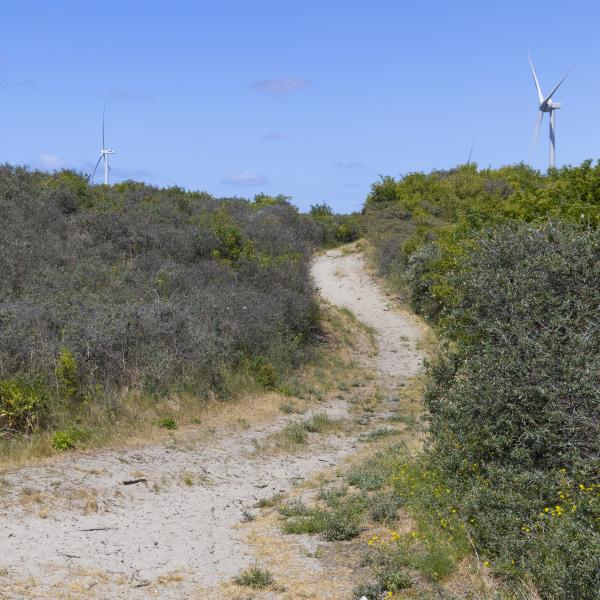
point(515, 402)
point(506, 265)
point(132, 285)
point(418, 224)
point(334, 229)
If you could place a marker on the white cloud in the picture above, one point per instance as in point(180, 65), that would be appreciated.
point(273, 137)
point(27, 83)
point(49, 162)
point(278, 86)
point(348, 165)
point(245, 179)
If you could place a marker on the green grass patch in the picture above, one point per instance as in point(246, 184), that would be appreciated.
point(255, 578)
point(378, 434)
point(167, 423)
point(69, 438)
point(295, 433)
point(318, 423)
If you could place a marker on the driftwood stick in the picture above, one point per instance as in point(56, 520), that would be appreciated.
point(67, 555)
point(132, 481)
point(97, 529)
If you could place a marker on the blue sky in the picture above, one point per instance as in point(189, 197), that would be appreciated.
point(305, 98)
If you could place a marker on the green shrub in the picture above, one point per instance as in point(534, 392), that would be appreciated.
point(66, 373)
point(67, 439)
point(255, 578)
point(310, 523)
point(167, 423)
point(371, 590)
point(295, 432)
point(384, 507)
point(318, 423)
point(21, 403)
point(156, 290)
point(514, 392)
point(342, 523)
point(366, 477)
point(335, 229)
point(264, 373)
point(394, 581)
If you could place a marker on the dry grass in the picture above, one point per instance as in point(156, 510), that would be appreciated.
point(199, 417)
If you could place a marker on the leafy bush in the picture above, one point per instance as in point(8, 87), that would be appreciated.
point(520, 383)
point(168, 423)
point(264, 373)
point(151, 289)
point(67, 439)
point(514, 401)
point(384, 507)
point(505, 263)
point(21, 402)
point(366, 477)
point(335, 229)
point(415, 222)
point(66, 373)
point(342, 523)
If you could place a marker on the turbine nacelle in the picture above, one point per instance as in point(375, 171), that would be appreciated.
point(549, 106)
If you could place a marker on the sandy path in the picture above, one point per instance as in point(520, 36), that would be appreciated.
point(343, 280)
point(166, 528)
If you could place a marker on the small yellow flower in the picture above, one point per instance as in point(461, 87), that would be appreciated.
point(486, 563)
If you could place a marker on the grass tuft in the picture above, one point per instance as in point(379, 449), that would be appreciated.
point(255, 578)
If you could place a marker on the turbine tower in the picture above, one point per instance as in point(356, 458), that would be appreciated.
point(546, 106)
point(104, 153)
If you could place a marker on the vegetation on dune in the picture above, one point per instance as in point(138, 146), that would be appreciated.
point(130, 287)
point(506, 264)
point(335, 229)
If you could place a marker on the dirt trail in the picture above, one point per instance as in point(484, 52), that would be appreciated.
point(176, 534)
point(344, 281)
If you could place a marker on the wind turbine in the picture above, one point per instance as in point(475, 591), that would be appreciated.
point(104, 153)
point(546, 106)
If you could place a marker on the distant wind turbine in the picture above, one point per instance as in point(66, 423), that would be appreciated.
point(104, 153)
point(471, 151)
point(546, 106)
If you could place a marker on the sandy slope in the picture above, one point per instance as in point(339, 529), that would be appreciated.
point(343, 280)
point(184, 534)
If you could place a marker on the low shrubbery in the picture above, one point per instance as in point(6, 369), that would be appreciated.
point(254, 578)
point(514, 399)
point(68, 438)
point(334, 229)
point(107, 290)
point(339, 519)
point(506, 264)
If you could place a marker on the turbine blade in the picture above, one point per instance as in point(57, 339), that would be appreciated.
point(536, 132)
point(557, 86)
point(94, 172)
point(537, 83)
point(103, 113)
point(471, 151)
